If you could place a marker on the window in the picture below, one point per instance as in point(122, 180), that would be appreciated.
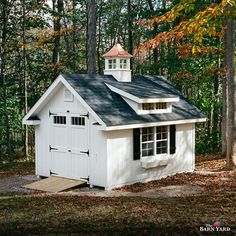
point(123, 64)
point(161, 139)
point(147, 141)
point(112, 63)
point(154, 140)
point(59, 120)
point(161, 105)
point(148, 106)
point(154, 106)
point(79, 121)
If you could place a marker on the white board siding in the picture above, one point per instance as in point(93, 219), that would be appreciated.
point(98, 156)
point(122, 169)
point(56, 104)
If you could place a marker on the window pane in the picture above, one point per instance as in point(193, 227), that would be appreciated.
point(144, 153)
point(161, 105)
point(144, 146)
point(80, 121)
point(59, 120)
point(158, 136)
point(150, 146)
point(144, 138)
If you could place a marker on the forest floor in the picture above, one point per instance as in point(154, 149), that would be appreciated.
point(176, 205)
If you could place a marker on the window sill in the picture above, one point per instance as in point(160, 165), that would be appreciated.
point(155, 161)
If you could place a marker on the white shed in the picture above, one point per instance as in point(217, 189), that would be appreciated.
point(113, 129)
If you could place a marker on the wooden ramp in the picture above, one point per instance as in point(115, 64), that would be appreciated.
point(54, 184)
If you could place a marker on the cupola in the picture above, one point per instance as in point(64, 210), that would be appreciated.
point(117, 63)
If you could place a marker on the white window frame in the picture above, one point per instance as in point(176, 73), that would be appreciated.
point(112, 63)
point(77, 126)
point(59, 124)
point(142, 111)
point(154, 128)
point(123, 64)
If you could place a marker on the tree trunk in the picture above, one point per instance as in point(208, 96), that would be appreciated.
point(155, 30)
point(99, 37)
point(130, 32)
point(26, 151)
point(3, 79)
point(57, 11)
point(230, 72)
point(91, 37)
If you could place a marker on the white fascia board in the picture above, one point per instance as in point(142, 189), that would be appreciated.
point(32, 122)
point(40, 102)
point(123, 93)
point(151, 124)
point(170, 99)
point(141, 100)
point(81, 100)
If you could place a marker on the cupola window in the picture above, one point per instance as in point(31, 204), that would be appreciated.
point(123, 64)
point(112, 63)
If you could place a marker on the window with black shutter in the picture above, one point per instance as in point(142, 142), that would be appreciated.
point(136, 143)
point(172, 139)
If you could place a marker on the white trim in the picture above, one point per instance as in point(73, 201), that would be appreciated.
point(60, 79)
point(150, 124)
point(32, 122)
point(141, 100)
point(123, 93)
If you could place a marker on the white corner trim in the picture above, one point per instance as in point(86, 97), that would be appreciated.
point(141, 100)
point(151, 124)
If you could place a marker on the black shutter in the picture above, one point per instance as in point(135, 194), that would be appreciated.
point(136, 143)
point(172, 139)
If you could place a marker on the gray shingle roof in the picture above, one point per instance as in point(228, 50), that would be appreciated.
point(113, 110)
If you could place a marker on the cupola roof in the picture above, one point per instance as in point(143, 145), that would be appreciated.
point(117, 51)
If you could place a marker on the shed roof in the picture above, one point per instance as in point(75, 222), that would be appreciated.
point(117, 51)
point(114, 111)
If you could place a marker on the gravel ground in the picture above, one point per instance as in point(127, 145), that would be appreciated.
point(14, 185)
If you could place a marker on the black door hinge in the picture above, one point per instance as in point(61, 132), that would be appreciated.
point(85, 178)
point(85, 152)
point(51, 148)
point(50, 114)
point(87, 115)
point(53, 173)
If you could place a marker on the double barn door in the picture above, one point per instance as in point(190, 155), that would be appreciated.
point(69, 145)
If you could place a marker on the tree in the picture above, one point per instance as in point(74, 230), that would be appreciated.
point(206, 20)
point(5, 7)
point(91, 36)
point(231, 89)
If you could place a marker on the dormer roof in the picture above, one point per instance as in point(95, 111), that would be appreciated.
point(117, 51)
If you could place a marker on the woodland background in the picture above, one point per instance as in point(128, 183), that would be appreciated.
point(40, 39)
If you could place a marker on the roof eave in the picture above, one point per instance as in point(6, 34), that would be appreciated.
point(159, 123)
